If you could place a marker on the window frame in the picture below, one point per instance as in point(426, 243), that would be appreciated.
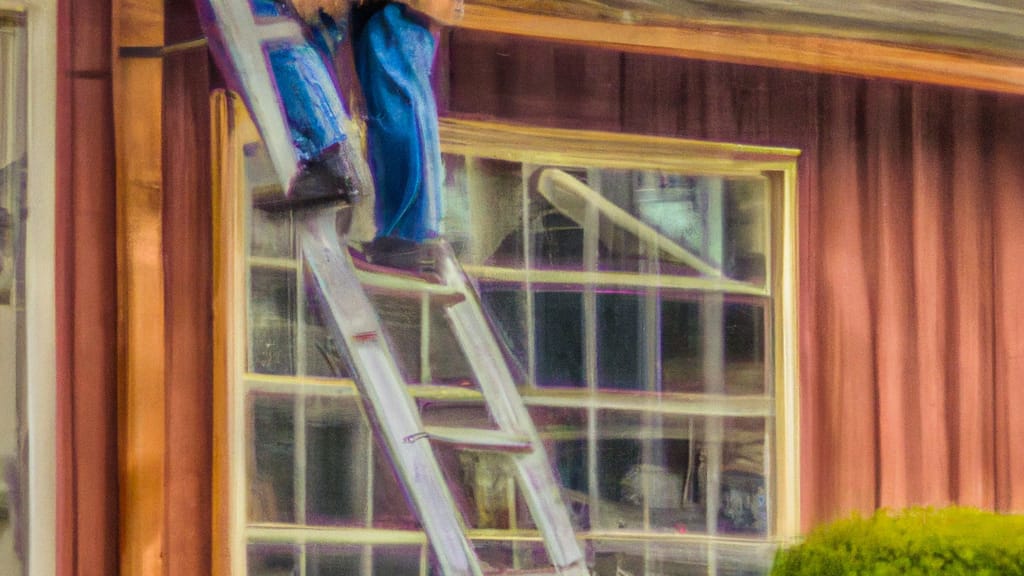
point(40, 274)
point(522, 144)
point(555, 146)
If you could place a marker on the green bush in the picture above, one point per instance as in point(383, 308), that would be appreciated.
point(918, 541)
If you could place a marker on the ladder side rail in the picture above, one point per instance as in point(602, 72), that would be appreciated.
point(540, 487)
point(353, 323)
point(245, 39)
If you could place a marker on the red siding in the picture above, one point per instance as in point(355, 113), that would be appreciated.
point(910, 225)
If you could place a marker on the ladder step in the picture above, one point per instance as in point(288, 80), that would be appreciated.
point(479, 439)
point(405, 283)
point(574, 570)
point(539, 572)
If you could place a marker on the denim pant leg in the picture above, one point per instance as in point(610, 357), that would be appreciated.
point(394, 55)
point(304, 74)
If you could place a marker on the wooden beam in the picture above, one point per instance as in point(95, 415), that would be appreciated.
point(988, 26)
point(764, 48)
point(138, 101)
point(188, 311)
point(85, 269)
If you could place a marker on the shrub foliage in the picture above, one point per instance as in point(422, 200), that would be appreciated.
point(917, 542)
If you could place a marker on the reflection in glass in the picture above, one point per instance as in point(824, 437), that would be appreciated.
point(654, 473)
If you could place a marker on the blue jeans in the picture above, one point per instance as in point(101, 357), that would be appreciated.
point(394, 54)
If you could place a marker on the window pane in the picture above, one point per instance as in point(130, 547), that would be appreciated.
point(483, 211)
point(661, 473)
point(616, 558)
point(391, 509)
point(271, 462)
point(397, 560)
point(506, 307)
point(564, 434)
point(272, 322)
point(523, 555)
point(401, 319)
point(622, 336)
point(272, 560)
point(322, 354)
point(731, 558)
point(707, 338)
point(558, 318)
point(337, 454)
point(333, 560)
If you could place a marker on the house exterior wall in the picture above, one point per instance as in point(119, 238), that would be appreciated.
point(86, 293)
point(909, 355)
point(909, 214)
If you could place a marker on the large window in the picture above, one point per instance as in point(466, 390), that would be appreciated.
point(644, 291)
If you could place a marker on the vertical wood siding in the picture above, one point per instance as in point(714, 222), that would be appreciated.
point(911, 220)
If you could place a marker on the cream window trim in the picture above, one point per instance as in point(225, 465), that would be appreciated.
point(553, 146)
point(530, 146)
point(40, 250)
point(742, 43)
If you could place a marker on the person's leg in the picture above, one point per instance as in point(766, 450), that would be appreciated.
point(329, 154)
point(301, 71)
point(394, 55)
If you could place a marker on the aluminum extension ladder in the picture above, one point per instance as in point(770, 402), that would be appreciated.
point(353, 322)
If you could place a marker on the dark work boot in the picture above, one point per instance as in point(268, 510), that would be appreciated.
point(405, 255)
point(328, 177)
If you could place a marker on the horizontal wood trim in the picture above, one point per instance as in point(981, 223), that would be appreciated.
point(774, 49)
point(980, 26)
point(557, 146)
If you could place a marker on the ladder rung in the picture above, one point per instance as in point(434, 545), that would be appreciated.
point(405, 283)
point(578, 569)
point(480, 439)
point(573, 571)
point(542, 572)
